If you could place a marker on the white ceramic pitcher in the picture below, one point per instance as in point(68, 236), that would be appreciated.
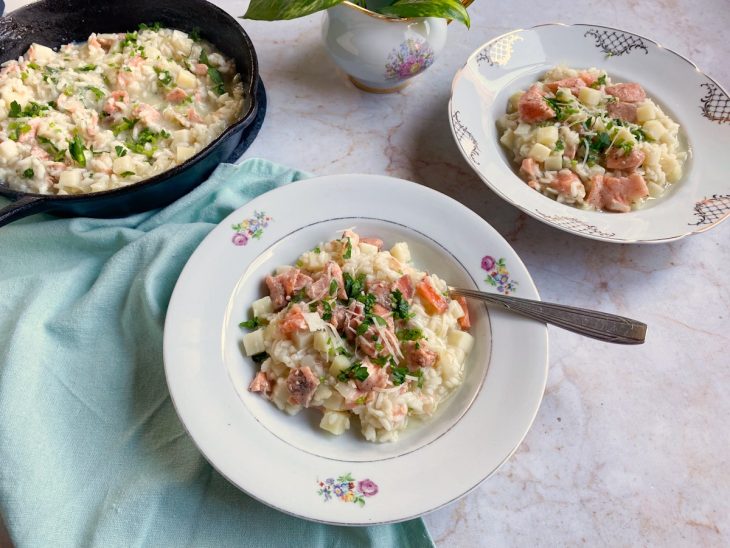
point(381, 54)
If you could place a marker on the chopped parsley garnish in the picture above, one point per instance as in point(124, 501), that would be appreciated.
point(409, 334)
point(33, 65)
point(639, 134)
point(86, 68)
point(601, 81)
point(120, 150)
point(380, 361)
point(317, 250)
point(28, 173)
point(253, 323)
point(562, 109)
point(76, 150)
point(355, 371)
point(164, 78)
point(368, 301)
point(559, 145)
point(16, 129)
point(31, 110)
point(96, 91)
point(354, 286)
point(129, 39)
point(364, 326)
point(398, 375)
point(146, 137)
point(203, 58)
point(299, 296)
point(124, 125)
point(333, 287)
point(260, 357)
point(15, 110)
point(217, 79)
point(195, 34)
point(627, 147)
point(326, 311)
point(399, 305)
point(342, 351)
point(380, 320)
point(58, 155)
point(127, 174)
point(154, 26)
point(601, 142)
point(348, 250)
point(419, 374)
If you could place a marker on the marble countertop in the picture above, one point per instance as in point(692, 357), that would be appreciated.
point(630, 446)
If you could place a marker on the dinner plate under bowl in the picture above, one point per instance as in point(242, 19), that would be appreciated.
point(513, 61)
point(288, 462)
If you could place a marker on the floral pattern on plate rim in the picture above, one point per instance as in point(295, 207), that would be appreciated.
point(410, 58)
point(498, 275)
point(250, 228)
point(347, 489)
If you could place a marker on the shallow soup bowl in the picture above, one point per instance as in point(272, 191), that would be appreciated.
point(700, 200)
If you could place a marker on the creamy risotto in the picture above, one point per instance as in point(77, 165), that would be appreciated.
point(358, 333)
point(113, 110)
point(584, 140)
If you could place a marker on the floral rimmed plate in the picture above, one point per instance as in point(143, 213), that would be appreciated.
point(508, 63)
point(288, 462)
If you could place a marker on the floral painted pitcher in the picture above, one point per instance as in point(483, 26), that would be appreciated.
point(378, 53)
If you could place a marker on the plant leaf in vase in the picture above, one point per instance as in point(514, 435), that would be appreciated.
point(446, 9)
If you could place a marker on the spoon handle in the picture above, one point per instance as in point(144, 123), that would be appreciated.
point(591, 323)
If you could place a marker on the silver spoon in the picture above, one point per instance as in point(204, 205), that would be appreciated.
point(591, 323)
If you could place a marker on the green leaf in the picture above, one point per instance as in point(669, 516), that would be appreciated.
point(217, 79)
point(28, 173)
point(15, 110)
point(96, 91)
point(76, 150)
point(253, 323)
point(274, 10)
point(447, 9)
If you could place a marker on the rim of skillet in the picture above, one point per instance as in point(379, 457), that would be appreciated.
point(244, 120)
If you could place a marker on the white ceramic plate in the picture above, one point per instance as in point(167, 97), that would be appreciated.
point(513, 61)
point(288, 462)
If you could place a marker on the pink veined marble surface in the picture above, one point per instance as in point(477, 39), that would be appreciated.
point(631, 445)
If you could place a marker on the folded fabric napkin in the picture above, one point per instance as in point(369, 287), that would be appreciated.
point(92, 452)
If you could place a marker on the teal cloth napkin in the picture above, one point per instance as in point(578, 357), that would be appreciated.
point(92, 452)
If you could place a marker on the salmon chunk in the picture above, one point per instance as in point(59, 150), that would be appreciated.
point(293, 321)
point(418, 355)
point(565, 182)
point(377, 242)
point(618, 193)
point(533, 108)
point(321, 287)
point(573, 84)
point(405, 286)
point(260, 383)
point(530, 168)
point(628, 93)
point(616, 158)
point(301, 383)
point(623, 111)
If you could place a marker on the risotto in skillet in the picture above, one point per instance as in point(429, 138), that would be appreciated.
point(584, 140)
point(358, 333)
point(111, 111)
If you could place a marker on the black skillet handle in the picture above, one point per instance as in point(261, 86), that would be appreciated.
point(22, 207)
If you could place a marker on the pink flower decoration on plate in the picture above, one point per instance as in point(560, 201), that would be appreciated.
point(367, 487)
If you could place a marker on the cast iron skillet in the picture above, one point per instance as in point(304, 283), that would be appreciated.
point(57, 22)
